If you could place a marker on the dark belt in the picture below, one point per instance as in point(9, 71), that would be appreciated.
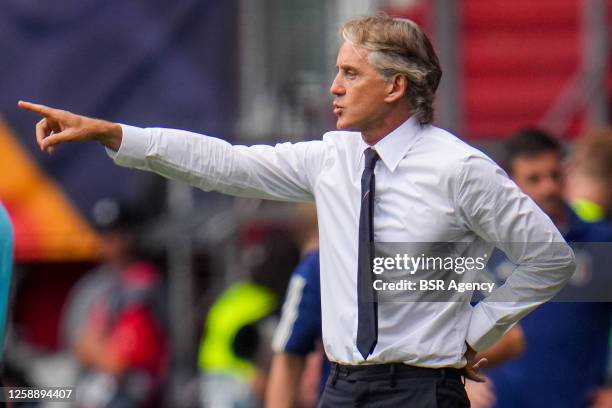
point(372, 371)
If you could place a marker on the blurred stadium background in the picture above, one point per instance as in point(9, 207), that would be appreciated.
point(249, 71)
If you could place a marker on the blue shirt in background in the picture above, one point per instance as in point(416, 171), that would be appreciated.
point(300, 327)
point(567, 346)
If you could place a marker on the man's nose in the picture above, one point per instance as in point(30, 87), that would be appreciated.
point(551, 186)
point(336, 88)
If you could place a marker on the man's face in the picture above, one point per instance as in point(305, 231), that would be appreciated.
point(540, 177)
point(359, 91)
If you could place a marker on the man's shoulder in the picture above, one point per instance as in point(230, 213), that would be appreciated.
point(451, 151)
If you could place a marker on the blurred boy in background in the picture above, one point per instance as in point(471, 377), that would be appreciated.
point(114, 320)
point(589, 179)
point(589, 191)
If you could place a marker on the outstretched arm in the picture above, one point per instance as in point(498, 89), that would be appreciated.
point(59, 126)
point(286, 172)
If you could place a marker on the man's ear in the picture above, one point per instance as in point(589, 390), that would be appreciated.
point(396, 88)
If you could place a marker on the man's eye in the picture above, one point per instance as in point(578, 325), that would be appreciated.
point(533, 179)
point(556, 176)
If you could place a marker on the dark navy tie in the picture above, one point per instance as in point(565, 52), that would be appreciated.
point(367, 309)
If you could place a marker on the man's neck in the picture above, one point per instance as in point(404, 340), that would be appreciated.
point(391, 122)
point(310, 245)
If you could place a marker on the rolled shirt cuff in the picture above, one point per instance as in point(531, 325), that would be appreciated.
point(483, 332)
point(133, 149)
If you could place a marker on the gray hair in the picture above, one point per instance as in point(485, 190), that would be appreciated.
point(399, 46)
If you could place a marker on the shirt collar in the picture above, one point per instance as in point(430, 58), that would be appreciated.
point(393, 147)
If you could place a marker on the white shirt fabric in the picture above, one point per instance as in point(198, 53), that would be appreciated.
point(430, 187)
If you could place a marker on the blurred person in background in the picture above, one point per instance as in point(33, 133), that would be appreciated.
point(10, 376)
point(114, 319)
point(589, 176)
point(298, 334)
point(566, 342)
point(235, 349)
point(589, 191)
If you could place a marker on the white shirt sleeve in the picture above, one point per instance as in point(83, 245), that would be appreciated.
point(493, 207)
point(285, 172)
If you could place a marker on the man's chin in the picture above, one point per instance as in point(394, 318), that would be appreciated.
point(343, 125)
point(551, 206)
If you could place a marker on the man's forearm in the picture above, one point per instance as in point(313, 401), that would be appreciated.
point(92, 350)
point(283, 384)
point(282, 172)
point(543, 271)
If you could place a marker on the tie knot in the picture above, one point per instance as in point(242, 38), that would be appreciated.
point(371, 157)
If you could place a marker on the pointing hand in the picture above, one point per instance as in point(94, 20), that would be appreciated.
point(59, 126)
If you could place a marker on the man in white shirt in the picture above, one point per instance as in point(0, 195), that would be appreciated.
point(386, 175)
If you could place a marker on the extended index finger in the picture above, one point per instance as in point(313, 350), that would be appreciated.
point(36, 108)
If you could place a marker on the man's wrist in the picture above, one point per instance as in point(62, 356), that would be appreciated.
point(109, 134)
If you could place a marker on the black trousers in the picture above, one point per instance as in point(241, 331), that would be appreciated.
point(393, 386)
